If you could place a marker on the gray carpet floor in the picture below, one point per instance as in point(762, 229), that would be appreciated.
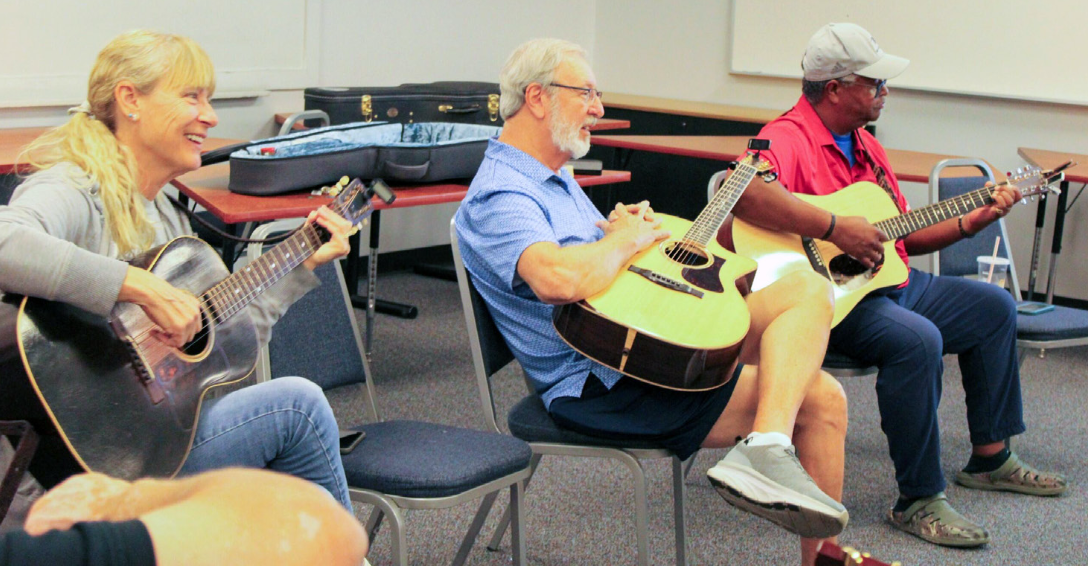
point(580, 511)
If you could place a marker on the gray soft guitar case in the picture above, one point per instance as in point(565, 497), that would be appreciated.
point(404, 153)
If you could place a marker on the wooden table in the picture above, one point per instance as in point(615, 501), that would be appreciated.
point(913, 166)
point(689, 108)
point(602, 124)
point(1047, 159)
point(12, 141)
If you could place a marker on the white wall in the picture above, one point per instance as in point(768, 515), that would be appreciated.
point(649, 47)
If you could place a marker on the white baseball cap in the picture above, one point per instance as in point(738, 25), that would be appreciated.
point(838, 50)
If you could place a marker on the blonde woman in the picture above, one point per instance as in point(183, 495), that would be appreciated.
point(96, 199)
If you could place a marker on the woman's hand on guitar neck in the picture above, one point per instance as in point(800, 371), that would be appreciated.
point(175, 313)
point(860, 239)
point(337, 246)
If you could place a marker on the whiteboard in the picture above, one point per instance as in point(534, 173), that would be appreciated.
point(996, 48)
point(48, 46)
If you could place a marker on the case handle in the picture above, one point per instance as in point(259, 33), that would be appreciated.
point(451, 109)
point(406, 172)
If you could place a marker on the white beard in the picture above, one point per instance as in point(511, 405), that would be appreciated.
point(567, 137)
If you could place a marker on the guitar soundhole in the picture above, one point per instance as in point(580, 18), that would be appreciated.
point(203, 338)
point(849, 273)
point(846, 265)
point(686, 254)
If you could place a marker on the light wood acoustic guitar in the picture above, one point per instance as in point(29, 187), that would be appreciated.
point(674, 316)
point(779, 253)
point(108, 397)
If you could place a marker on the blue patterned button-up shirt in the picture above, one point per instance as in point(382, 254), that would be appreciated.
point(514, 202)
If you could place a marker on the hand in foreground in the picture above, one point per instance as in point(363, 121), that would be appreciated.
point(84, 497)
point(175, 313)
point(337, 246)
point(860, 239)
point(1004, 198)
point(636, 222)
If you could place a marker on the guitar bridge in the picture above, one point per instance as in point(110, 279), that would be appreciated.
point(154, 390)
point(666, 282)
point(814, 258)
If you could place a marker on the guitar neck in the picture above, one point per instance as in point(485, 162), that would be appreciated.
point(904, 224)
point(239, 289)
point(705, 227)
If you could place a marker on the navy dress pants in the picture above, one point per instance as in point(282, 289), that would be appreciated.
point(904, 332)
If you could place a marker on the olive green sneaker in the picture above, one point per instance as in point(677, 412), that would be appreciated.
point(933, 519)
point(1016, 476)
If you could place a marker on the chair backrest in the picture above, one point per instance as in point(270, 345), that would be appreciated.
point(489, 350)
point(960, 258)
point(318, 337)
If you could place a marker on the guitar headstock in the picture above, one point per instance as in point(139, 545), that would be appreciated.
point(1033, 181)
point(752, 159)
point(353, 201)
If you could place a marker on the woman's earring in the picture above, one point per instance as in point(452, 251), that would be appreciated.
point(133, 116)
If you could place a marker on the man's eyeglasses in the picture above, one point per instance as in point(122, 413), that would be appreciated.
point(587, 93)
point(877, 87)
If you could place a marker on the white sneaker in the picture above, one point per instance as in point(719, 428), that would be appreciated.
point(770, 482)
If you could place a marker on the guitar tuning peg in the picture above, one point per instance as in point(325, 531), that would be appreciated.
point(343, 182)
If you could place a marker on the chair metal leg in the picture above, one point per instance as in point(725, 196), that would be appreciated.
point(678, 492)
point(500, 531)
point(374, 523)
point(517, 532)
point(398, 540)
point(474, 529)
point(642, 506)
point(689, 464)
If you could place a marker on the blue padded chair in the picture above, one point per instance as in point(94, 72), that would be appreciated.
point(399, 465)
point(1060, 328)
point(835, 363)
point(530, 421)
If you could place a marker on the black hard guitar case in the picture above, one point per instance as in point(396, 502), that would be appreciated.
point(447, 101)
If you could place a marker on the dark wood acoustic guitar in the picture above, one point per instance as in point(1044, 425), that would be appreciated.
point(673, 317)
point(107, 396)
point(781, 253)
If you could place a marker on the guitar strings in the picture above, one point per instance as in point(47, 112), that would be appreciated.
point(307, 235)
point(729, 192)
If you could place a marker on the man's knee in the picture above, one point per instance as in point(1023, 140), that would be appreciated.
point(805, 288)
point(825, 405)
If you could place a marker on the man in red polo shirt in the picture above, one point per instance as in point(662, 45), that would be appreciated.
point(819, 147)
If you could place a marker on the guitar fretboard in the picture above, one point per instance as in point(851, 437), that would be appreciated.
point(239, 289)
point(706, 226)
point(899, 226)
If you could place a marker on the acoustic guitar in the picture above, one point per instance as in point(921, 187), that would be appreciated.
point(674, 316)
point(781, 253)
point(831, 555)
point(108, 397)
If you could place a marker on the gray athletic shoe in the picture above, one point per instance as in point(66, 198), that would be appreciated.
point(770, 482)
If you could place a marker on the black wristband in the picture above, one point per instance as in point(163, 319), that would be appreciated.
point(963, 232)
point(831, 228)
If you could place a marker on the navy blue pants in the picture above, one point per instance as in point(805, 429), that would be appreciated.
point(904, 333)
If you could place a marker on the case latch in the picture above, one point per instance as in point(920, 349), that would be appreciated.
point(493, 107)
point(367, 107)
